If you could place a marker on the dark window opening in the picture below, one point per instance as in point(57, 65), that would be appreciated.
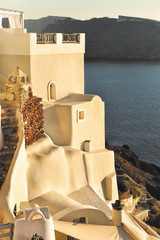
point(15, 210)
point(71, 238)
point(5, 23)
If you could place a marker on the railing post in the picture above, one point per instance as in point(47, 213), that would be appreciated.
point(59, 38)
point(22, 19)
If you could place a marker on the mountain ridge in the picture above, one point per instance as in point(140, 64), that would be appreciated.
point(125, 38)
point(37, 25)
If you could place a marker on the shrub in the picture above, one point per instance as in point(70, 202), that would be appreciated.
point(155, 210)
point(135, 191)
point(126, 147)
point(123, 186)
point(157, 220)
point(37, 237)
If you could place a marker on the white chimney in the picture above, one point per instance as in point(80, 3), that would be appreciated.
point(117, 213)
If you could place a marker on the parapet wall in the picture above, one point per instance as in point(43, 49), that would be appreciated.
point(18, 42)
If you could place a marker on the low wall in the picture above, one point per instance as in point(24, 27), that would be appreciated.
point(99, 165)
point(130, 203)
point(143, 215)
point(147, 228)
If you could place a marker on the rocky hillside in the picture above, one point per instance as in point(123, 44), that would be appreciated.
point(123, 38)
point(146, 174)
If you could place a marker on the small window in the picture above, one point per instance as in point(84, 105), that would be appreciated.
point(81, 115)
point(81, 220)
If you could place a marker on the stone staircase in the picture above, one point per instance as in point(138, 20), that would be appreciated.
point(9, 124)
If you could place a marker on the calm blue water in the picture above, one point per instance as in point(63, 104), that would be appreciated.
point(131, 92)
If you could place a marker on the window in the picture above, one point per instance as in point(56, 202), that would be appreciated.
point(81, 115)
point(80, 220)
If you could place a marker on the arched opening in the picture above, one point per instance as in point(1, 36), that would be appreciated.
point(5, 22)
point(38, 217)
point(15, 210)
point(52, 91)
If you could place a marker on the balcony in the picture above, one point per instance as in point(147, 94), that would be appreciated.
point(46, 38)
point(70, 38)
point(52, 38)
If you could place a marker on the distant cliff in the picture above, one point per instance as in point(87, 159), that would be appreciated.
point(37, 25)
point(122, 38)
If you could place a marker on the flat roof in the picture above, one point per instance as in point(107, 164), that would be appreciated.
point(91, 231)
point(9, 10)
point(75, 99)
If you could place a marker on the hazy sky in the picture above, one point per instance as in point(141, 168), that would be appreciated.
point(85, 9)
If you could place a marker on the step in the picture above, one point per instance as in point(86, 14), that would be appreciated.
point(8, 148)
point(6, 157)
point(11, 138)
point(9, 130)
point(9, 121)
point(9, 124)
point(8, 112)
point(7, 104)
point(4, 169)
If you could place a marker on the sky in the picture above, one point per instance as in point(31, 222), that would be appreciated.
point(85, 9)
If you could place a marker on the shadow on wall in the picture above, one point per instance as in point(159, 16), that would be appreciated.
point(85, 168)
point(58, 124)
point(82, 145)
point(106, 184)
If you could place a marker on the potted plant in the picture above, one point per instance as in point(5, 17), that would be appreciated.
point(37, 237)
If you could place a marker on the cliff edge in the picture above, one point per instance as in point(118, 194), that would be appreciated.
point(144, 173)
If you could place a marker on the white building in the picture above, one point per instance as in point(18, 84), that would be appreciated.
point(69, 170)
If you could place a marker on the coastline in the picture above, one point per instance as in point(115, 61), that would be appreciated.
point(125, 60)
point(144, 173)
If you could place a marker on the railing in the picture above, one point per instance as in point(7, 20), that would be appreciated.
point(50, 38)
point(71, 38)
point(9, 226)
point(46, 38)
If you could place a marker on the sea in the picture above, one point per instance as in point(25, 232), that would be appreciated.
point(131, 92)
